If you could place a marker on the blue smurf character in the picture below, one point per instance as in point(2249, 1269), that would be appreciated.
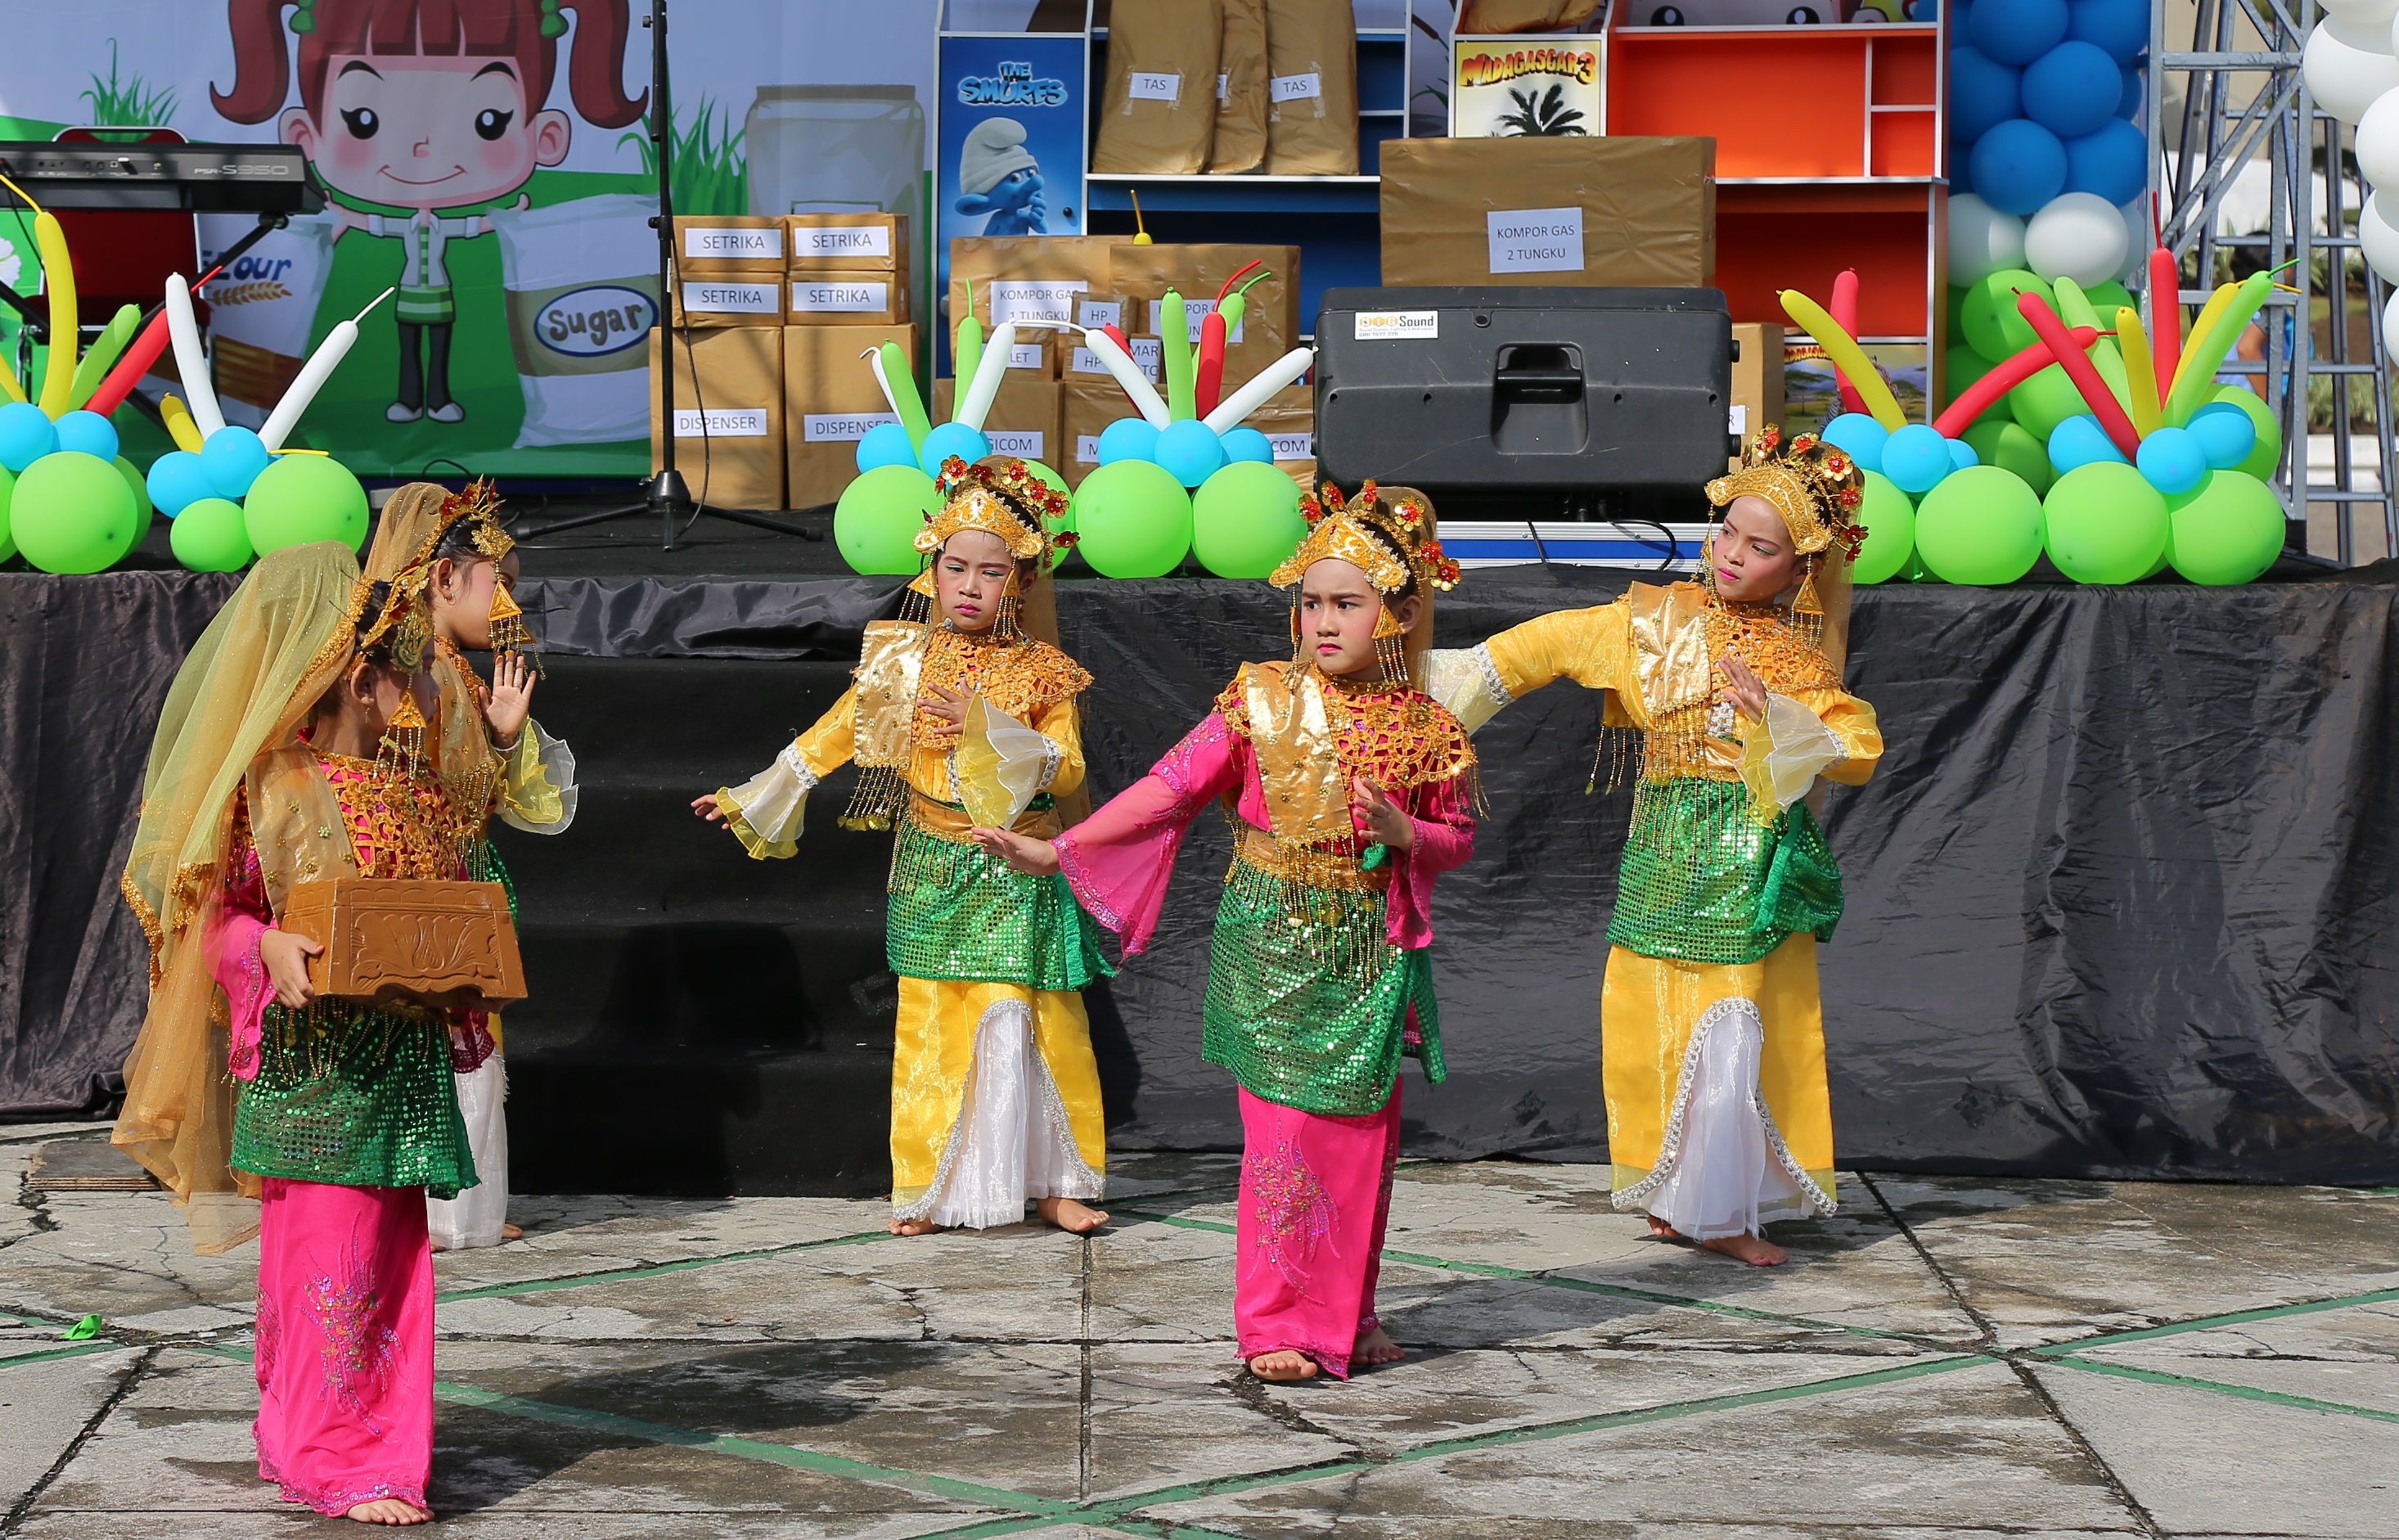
point(997, 175)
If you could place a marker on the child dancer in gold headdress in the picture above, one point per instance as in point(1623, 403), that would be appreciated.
point(1350, 790)
point(447, 552)
point(994, 1094)
point(1712, 1036)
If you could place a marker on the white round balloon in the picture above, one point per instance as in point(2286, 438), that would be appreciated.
point(2362, 13)
point(2378, 238)
point(2139, 239)
point(2391, 325)
point(2080, 235)
point(2348, 67)
point(1982, 241)
point(2378, 142)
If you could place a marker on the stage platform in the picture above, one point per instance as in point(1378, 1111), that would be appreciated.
point(2119, 902)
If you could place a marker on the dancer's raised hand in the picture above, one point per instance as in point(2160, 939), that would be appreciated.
point(512, 682)
point(1385, 819)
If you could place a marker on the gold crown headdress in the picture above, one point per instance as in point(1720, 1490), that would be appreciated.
point(1007, 500)
point(1816, 488)
point(1388, 535)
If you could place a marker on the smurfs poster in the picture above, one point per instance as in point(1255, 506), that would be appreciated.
point(1011, 113)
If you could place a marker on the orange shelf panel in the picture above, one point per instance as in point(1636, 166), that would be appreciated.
point(1906, 72)
point(1903, 143)
point(1787, 103)
point(1772, 238)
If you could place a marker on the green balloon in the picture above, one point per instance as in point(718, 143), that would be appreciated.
point(210, 536)
point(1889, 519)
point(8, 489)
point(2108, 298)
point(1133, 519)
point(1966, 366)
point(1957, 309)
point(140, 486)
point(1981, 525)
point(2227, 529)
point(1917, 572)
point(73, 512)
point(880, 515)
point(2267, 457)
point(2009, 446)
point(1988, 315)
point(2104, 523)
point(1245, 519)
point(302, 499)
point(2044, 401)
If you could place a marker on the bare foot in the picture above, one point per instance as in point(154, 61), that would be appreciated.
point(1283, 1367)
point(1376, 1347)
point(389, 1510)
point(512, 1232)
point(1661, 1228)
point(913, 1227)
point(1756, 1250)
point(437, 1249)
point(1069, 1215)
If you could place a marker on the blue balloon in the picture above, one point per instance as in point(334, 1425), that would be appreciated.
point(1984, 93)
point(1128, 439)
point(2172, 460)
point(885, 443)
point(1961, 455)
point(2226, 434)
point(2107, 162)
point(1915, 458)
point(2120, 27)
point(2017, 32)
point(2136, 95)
point(1861, 435)
point(1961, 170)
point(1191, 451)
point(2080, 441)
point(951, 438)
point(88, 433)
point(26, 434)
point(233, 458)
point(1247, 444)
point(2072, 89)
point(2018, 166)
point(177, 480)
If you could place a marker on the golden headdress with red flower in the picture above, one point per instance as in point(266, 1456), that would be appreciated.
point(1007, 499)
point(1816, 486)
point(1386, 533)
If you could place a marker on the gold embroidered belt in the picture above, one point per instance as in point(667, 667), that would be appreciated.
point(1305, 864)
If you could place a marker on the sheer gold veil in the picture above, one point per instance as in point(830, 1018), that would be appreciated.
point(248, 684)
point(412, 525)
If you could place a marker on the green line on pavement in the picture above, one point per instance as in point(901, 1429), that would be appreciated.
point(2247, 1393)
point(51, 1354)
point(2211, 1323)
point(651, 1270)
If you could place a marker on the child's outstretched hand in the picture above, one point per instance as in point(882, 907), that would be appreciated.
point(1383, 818)
point(512, 681)
point(706, 807)
point(1034, 857)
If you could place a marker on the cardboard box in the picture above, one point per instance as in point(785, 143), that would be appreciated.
point(1288, 420)
point(1077, 362)
point(730, 421)
point(1620, 211)
point(872, 298)
point(748, 299)
point(1084, 410)
point(1271, 324)
point(1026, 278)
point(1756, 380)
point(1023, 421)
point(845, 242)
point(722, 245)
point(1033, 355)
point(830, 402)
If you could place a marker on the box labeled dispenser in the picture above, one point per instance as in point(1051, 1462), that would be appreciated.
point(728, 422)
point(830, 402)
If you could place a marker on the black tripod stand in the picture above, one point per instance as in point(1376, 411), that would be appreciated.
point(666, 494)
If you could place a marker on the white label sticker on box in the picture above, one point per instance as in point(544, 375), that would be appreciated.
point(1087, 449)
point(1195, 315)
point(1142, 86)
point(840, 427)
point(1292, 88)
point(1737, 421)
point(1393, 325)
point(843, 296)
point(734, 243)
point(1025, 355)
point(1025, 443)
point(1535, 240)
point(1034, 298)
point(724, 422)
point(733, 299)
point(1224, 87)
point(841, 240)
point(1148, 357)
point(1293, 446)
point(1100, 312)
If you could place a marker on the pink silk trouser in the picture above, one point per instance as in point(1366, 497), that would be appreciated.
point(345, 1355)
point(1316, 1196)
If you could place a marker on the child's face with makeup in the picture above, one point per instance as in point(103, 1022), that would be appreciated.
point(427, 133)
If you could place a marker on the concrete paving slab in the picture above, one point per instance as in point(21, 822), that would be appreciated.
point(119, 1254)
point(606, 1233)
point(2202, 1462)
point(45, 1408)
point(2349, 1355)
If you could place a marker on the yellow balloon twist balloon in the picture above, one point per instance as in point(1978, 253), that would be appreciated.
point(1843, 349)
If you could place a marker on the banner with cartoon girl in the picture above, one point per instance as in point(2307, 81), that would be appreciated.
point(491, 159)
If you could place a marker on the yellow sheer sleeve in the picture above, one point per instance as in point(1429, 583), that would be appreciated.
point(766, 812)
point(1593, 647)
point(537, 790)
point(1852, 721)
point(1063, 725)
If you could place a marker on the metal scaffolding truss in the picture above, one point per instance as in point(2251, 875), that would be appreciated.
point(2243, 100)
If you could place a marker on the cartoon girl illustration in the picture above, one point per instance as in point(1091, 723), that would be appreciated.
point(426, 105)
point(997, 175)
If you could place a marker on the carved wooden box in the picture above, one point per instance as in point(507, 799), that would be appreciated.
point(390, 938)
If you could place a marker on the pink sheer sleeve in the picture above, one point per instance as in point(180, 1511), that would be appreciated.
point(232, 944)
point(1117, 861)
point(1445, 839)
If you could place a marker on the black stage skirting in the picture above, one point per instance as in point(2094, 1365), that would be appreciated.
point(2119, 899)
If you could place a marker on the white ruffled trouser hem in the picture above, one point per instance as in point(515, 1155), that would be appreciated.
point(474, 1217)
point(1012, 1142)
point(1729, 1175)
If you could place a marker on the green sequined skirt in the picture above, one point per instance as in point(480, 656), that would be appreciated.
point(1702, 881)
point(959, 913)
point(354, 1097)
point(1314, 1017)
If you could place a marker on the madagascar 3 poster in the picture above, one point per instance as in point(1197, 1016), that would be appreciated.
point(488, 160)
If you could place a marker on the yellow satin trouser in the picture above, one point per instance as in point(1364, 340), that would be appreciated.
point(1647, 1011)
point(933, 1053)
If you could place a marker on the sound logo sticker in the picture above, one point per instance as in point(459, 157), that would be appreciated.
point(1397, 325)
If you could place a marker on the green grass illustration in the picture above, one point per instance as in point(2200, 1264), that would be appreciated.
point(129, 102)
point(712, 170)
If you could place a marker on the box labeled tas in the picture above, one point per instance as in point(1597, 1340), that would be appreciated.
point(728, 422)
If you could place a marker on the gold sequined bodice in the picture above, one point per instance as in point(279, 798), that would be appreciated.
point(1018, 677)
